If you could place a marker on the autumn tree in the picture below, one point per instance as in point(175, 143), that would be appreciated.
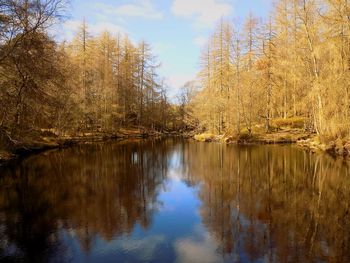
point(31, 66)
point(293, 66)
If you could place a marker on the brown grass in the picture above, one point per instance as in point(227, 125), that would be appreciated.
point(205, 137)
point(294, 122)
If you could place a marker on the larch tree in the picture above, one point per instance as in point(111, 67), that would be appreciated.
point(294, 66)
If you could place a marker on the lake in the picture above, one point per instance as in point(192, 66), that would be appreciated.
point(175, 200)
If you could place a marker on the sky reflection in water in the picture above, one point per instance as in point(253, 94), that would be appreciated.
point(175, 201)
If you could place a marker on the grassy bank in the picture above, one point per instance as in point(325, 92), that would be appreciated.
point(290, 130)
point(283, 135)
point(335, 147)
point(276, 137)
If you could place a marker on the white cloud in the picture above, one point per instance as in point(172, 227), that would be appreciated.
point(100, 27)
point(67, 30)
point(140, 8)
point(143, 248)
point(200, 40)
point(204, 250)
point(205, 12)
point(70, 28)
point(176, 81)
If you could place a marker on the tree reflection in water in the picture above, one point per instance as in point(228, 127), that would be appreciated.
point(98, 189)
point(258, 203)
point(275, 203)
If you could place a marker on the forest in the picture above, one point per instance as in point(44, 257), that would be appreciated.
point(89, 84)
point(79, 181)
point(293, 69)
point(290, 70)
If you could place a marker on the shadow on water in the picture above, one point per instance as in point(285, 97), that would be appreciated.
point(255, 203)
point(97, 189)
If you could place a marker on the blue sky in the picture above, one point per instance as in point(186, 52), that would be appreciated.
point(176, 29)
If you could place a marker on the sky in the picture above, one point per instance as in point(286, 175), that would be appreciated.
point(176, 29)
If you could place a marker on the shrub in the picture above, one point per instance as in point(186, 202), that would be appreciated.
point(294, 122)
point(244, 136)
point(204, 137)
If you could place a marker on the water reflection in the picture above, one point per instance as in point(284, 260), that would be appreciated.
point(98, 189)
point(273, 203)
point(175, 201)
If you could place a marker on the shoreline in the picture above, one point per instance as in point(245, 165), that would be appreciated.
point(22, 150)
point(279, 137)
point(307, 141)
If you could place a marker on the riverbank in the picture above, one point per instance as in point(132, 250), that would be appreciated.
point(336, 147)
point(278, 137)
point(13, 149)
point(308, 141)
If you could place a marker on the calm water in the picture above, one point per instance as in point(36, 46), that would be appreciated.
point(175, 201)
